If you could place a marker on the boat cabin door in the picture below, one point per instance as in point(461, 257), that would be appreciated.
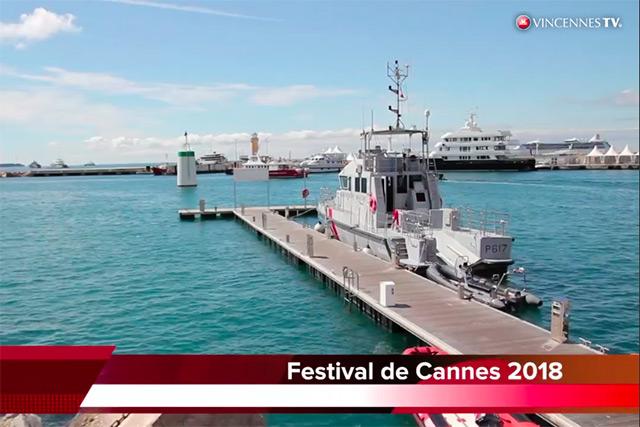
point(388, 191)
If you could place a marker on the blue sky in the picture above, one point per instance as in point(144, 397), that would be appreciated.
point(118, 81)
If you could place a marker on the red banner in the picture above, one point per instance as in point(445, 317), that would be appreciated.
point(72, 379)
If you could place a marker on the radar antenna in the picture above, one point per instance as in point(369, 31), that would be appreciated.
point(397, 75)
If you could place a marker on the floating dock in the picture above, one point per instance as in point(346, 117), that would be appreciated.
point(430, 312)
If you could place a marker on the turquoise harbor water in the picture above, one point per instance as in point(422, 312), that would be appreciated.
point(105, 260)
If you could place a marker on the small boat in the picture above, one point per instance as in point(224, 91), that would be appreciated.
point(58, 164)
point(159, 170)
point(89, 164)
point(463, 420)
point(164, 169)
point(474, 420)
point(283, 170)
point(423, 351)
point(35, 165)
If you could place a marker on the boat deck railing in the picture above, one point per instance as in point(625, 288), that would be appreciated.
point(485, 221)
point(415, 223)
point(327, 196)
point(385, 164)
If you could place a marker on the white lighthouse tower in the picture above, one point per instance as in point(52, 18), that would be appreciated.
point(186, 165)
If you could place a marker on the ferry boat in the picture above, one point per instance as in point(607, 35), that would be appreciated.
point(212, 163)
point(285, 170)
point(58, 164)
point(471, 148)
point(568, 146)
point(35, 165)
point(332, 160)
point(389, 205)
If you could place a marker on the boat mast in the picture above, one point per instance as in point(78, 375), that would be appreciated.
point(187, 147)
point(397, 75)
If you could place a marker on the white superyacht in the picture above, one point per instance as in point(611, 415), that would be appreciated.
point(388, 204)
point(332, 160)
point(471, 148)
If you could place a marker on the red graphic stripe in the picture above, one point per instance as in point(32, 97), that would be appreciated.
point(195, 369)
point(48, 379)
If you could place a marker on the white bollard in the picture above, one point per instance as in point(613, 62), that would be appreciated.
point(387, 294)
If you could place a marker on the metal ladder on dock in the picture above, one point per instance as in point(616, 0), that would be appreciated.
point(351, 282)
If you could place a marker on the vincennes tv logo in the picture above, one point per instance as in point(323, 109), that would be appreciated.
point(525, 22)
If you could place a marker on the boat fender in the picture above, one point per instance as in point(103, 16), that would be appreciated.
point(448, 271)
point(532, 299)
point(319, 227)
point(496, 303)
point(367, 250)
point(373, 203)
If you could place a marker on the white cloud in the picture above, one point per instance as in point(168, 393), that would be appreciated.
point(627, 97)
point(187, 8)
point(178, 94)
point(60, 111)
point(300, 143)
point(294, 94)
point(38, 25)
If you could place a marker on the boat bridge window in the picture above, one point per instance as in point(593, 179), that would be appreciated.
point(499, 147)
point(402, 184)
point(420, 197)
point(414, 178)
point(465, 148)
point(363, 185)
point(345, 183)
point(357, 184)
